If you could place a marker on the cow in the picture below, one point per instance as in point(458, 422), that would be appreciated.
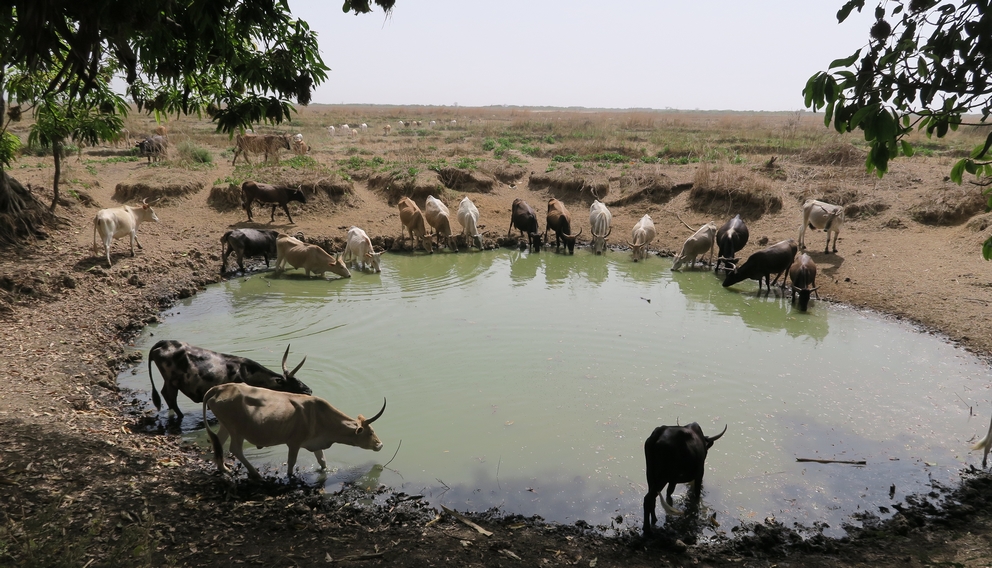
point(775, 259)
point(642, 234)
point(412, 220)
point(468, 216)
point(803, 276)
point(673, 455)
point(522, 217)
point(267, 194)
point(193, 370)
point(309, 257)
point(299, 146)
point(330, 130)
point(358, 250)
point(247, 242)
point(439, 218)
point(560, 221)
point(984, 444)
point(386, 129)
point(364, 127)
point(730, 239)
point(152, 147)
point(259, 144)
point(697, 245)
point(821, 215)
point(269, 418)
point(116, 222)
point(599, 225)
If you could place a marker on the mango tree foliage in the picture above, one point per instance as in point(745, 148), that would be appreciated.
point(927, 66)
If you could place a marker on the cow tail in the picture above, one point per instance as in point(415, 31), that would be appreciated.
point(214, 440)
point(155, 398)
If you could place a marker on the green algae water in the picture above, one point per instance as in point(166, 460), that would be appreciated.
point(528, 383)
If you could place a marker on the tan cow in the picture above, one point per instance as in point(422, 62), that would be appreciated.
point(265, 418)
point(413, 221)
point(310, 258)
point(642, 233)
point(117, 222)
point(439, 218)
point(697, 245)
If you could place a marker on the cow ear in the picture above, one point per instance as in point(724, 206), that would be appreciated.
point(359, 430)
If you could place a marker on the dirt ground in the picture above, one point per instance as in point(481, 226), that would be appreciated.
point(82, 483)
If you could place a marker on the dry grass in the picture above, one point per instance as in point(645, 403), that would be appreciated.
point(948, 206)
point(167, 186)
point(838, 154)
point(732, 189)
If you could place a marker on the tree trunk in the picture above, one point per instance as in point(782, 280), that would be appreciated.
point(57, 152)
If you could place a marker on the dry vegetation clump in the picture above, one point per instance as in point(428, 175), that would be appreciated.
point(655, 187)
point(979, 223)
point(836, 154)
point(167, 186)
point(466, 180)
point(225, 198)
point(416, 185)
point(566, 184)
point(509, 173)
point(731, 191)
point(948, 206)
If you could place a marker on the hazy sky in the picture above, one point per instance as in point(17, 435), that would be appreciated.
point(703, 54)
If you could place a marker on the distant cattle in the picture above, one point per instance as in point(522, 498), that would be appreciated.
point(358, 250)
point(247, 243)
point(642, 234)
point(775, 259)
point(522, 217)
point(265, 144)
point(193, 370)
point(330, 130)
point(386, 129)
point(468, 216)
point(439, 218)
point(267, 194)
point(267, 418)
point(821, 215)
point(730, 239)
point(153, 147)
point(600, 220)
point(116, 222)
point(412, 220)
point(673, 455)
point(559, 220)
point(309, 257)
point(299, 146)
point(803, 276)
point(696, 245)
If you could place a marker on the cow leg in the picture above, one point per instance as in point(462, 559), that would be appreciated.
point(106, 248)
point(666, 503)
point(236, 448)
point(170, 394)
point(650, 517)
point(272, 219)
point(247, 206)
point(319, 454)
point(294, 452)
point(285, 208)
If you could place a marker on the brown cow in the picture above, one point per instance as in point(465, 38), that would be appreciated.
point(267, 194)
point(439, 219)
point(560, 221)
point(310, 258)
point(803, 275)
point(413, 220)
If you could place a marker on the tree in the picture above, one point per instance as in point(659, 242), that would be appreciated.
point(926, 67)
point(240, 61)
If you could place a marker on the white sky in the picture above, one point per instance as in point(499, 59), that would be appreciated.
point(701, 54)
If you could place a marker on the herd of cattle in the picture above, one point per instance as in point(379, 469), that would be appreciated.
point(266, 408)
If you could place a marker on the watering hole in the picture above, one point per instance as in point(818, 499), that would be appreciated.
point(529, 382)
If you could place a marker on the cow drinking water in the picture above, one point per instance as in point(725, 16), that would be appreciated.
point(522, 217)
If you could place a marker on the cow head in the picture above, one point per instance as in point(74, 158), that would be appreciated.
point(337, 265)
point(145, 212)
point(365, 437)
point(372, 258)
point(289, 382)
point(599, 242)
point(804, 294)
point(295, 194)
point(570, 241)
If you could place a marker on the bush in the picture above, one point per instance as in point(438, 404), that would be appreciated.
point(190, 153)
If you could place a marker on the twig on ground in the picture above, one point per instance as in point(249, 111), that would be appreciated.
point(849, 462)
point(461, 518)
point(684, 223)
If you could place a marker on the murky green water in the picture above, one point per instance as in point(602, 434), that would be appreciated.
point(529, 383)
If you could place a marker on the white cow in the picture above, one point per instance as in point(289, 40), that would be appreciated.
point(599, 225)
point(439, 218)
point(330, 130)
point(696, 245)
point(266, 418)
point(821, 215)
point(358, 250)
point(432, 124)
point(364, 127)
point(117, 222)
point(468, 216)
point(985, 444)
point(311, 258)
point(642, 234)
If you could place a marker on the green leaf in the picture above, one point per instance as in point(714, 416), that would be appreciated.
point(828, 114)
point(987, 249)
point(907, 148)
point(979, 151)
point(921, 67)
point(957, 172)
point(845, 62)
point(970, 167)
point(845, 10)
point(861, 114)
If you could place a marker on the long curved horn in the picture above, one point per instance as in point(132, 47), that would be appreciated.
point(630, 244)
point(575, 236)
point(284, 357)
point(717, 437)
point(293, 374)
point(376, 417)
point(608, 231)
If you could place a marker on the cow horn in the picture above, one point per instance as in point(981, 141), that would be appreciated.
point(717, 437)
point(608, 231)
point(286, 356)
point(575, 236)
point(376, 417)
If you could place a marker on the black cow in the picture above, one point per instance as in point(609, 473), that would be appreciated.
point(803, 275)
point(269, 194)
point(152, 147)
point(730, 238)
point(674, 454)
point(560, 221)
point(775, 259)
point(247, 242)
point(193, 370)
point(522, 217)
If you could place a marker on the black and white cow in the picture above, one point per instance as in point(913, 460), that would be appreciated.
point(247, 242)
point(193, 370)
point(673, 455)
point(730, 238)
